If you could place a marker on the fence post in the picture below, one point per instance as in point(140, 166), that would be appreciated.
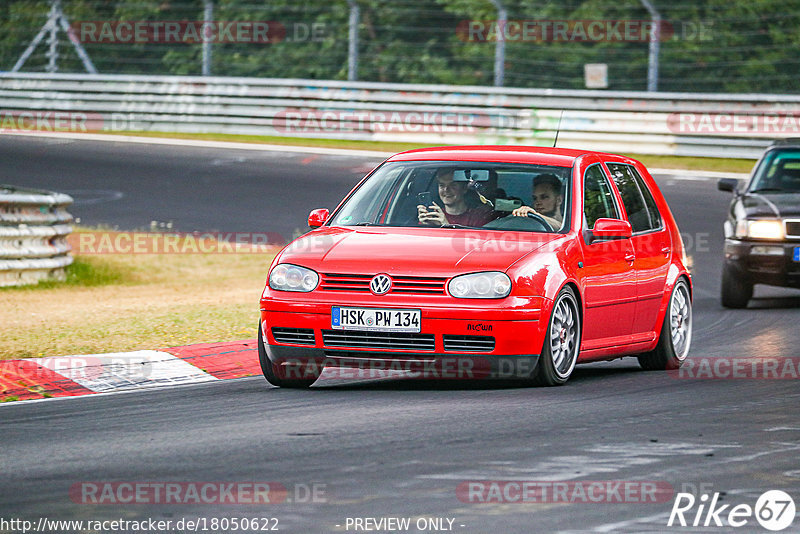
point(352, 49)
point(208, 16)
point(652, 56)
point(500, 45)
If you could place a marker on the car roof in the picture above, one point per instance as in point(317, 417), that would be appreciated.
point(789, 142)
point(557, 157)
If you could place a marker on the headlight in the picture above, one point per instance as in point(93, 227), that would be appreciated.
point(760, 229)
point(491, 285)
point(288, 277)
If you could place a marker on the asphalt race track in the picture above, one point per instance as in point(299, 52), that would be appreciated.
point(397, 448)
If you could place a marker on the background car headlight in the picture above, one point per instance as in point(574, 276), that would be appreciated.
point(760, 229)
point(490, 285)
point(288, 277)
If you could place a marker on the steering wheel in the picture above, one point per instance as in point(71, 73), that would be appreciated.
point(531, 223)
point(539, 219)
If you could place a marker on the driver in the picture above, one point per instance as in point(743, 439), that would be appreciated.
point(547, 200)
point(457, 208)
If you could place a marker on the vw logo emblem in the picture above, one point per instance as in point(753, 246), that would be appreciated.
point(380, 284)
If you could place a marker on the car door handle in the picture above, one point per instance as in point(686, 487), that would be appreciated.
point(630, 257)
point(666, 250)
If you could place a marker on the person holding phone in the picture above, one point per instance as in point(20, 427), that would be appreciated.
point(457, 209)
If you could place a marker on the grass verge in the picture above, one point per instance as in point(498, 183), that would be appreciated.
point(666, 162)
point(119, 302)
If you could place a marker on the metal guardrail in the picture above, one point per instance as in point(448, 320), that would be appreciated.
point(628, 122)
point(33, 235)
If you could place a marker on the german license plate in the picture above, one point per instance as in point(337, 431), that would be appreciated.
point(796, 255)
point(375, 319)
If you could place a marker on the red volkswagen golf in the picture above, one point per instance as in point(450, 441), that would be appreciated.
point(474, 262)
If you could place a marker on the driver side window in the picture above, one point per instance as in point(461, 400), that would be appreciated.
point(598, 200)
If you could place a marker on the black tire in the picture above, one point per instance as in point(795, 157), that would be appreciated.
point(272, 372)
point(736, 289)
point(675, 338)
point(558, 356)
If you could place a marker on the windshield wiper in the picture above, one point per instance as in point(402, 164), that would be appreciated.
point(765, 189)
point(364, 223)
point(455, 226)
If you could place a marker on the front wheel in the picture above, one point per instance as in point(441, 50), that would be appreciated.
point(736, 290)
point(561, 343)
point(273, 373)
point(676, 332)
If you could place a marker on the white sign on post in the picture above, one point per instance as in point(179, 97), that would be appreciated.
point(596, 75)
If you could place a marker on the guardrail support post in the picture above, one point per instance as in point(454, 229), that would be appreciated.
point(655, 36)
point(500, 45)
point(352, 49)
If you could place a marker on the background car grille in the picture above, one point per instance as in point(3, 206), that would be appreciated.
point(298, 336)
point(378, 340)
point(468, 343)
point(793, 228)
point(400, 284)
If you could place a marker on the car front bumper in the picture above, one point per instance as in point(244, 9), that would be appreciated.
point(773, 263)
point(465, 341)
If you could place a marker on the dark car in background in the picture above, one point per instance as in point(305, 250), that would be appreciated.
point(762, 230)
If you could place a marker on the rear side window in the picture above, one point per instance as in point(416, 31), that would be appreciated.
point(636, 197)
point(598, 200)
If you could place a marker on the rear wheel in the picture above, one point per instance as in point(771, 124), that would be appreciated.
point(273, 373)
point(561, 343)
point(676, 332)
point(736, 290)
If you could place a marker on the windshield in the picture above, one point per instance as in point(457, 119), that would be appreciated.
point(778, 172)
point(447, 194)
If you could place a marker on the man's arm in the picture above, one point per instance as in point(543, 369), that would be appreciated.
point(523, 211)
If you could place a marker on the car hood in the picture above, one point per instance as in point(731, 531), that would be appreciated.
point(769, 204)
point(411, 251)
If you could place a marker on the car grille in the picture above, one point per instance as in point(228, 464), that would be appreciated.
point(400, 284)
point(468, 343)
point(378, 340)
point(792, 228)
point(297, 336)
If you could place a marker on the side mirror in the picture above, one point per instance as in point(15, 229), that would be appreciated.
point(731, 185)
point(611, 229)
point(318, 217)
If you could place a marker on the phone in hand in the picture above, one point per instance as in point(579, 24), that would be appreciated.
point(424, 198)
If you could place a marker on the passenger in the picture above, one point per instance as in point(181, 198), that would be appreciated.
point(457, 208)
point(547, 200)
